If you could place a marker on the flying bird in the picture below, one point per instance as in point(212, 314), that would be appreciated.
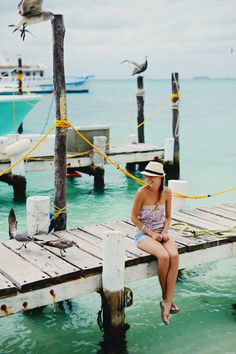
point(61, 244)
point(139, 68)
point(31, 12)
point(22, 237)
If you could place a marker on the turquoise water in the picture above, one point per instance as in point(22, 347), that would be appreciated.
point(206, 323)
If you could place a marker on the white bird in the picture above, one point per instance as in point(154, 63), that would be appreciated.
point(31, 12)
point(139, 68)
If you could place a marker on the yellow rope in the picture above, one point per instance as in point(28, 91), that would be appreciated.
point(58, 211)
point(62, 123)
point(185, 230)
point(29, 152)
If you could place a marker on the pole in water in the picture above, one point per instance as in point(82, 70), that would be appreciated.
point(175, 121)
point(20, 92)
point(61, 114)
point(140, 104)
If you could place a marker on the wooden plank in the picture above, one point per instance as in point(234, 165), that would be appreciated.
point(56, 267)
point(220, 212)
point(100, 230)
point(6, 286)
point(226, 208)
point(21, 273)
point(219, 221)
point(76, 257)
point(194, 221)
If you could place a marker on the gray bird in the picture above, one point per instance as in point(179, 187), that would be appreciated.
point(31, 12)
point(139, 68)
point(61, 243)
point(22, 237)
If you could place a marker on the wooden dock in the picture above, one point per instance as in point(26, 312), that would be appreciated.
point(38, 276)
point(129, 153)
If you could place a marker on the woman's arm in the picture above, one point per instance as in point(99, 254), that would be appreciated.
point(167, 211)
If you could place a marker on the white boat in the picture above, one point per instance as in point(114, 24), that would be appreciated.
point(34, 80)
point(13, 110)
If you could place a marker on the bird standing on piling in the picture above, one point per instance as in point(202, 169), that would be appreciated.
point(139, 68)
point(22, 237)
point(61, 244)
point(31, 12)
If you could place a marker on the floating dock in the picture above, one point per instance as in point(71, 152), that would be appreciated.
point(38, 276)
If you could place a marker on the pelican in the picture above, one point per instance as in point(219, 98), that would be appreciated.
point(61, 243)
point(139, 68)
point(31, 12)
point(22, 237)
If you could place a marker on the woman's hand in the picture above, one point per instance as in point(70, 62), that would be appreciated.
point(165, 237)
point(156, 236)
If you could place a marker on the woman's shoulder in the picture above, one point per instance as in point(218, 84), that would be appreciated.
point(167, 192)
point(142, 190)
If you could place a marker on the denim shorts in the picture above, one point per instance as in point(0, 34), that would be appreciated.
point(139, 237)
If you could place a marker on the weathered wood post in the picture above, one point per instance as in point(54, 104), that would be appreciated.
point(98, 160)
point(140, 103)
point(20, 92)
point(58, 30)
point(113, 283)
point(175, 120)
point(172, 164)
point(19, 76)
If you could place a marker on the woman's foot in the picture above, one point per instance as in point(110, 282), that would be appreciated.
point(165, 314)
point(174, 309)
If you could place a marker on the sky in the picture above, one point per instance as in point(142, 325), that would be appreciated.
point(194, 38)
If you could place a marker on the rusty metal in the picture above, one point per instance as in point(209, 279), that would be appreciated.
point(53, 294)
point(25, 304)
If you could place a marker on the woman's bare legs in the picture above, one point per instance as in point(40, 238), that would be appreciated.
point(172, 274)
point(158, 250)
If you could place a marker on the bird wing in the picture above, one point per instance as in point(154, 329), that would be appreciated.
point(33, 7)
point(23, 237)
point(131, 62)
point(12, 223)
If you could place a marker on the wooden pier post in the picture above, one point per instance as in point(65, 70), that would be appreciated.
point(175, 121)
point(20, 92)
point(58, 30)
point(98, 160)
point(140, 103)
point(113, 282)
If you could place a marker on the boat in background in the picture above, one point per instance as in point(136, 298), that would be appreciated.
point(34, 80)
point(13, 110)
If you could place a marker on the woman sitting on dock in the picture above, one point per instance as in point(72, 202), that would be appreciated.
point(151, 214)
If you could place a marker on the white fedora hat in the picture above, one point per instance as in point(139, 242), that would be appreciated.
point(154, 169)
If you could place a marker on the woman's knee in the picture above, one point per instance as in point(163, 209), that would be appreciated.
point(174, 257)
point(164, 258)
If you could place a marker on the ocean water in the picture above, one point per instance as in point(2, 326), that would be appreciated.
point(206, 323)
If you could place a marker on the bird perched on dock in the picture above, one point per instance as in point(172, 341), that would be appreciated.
point(19, 236)
point(31, 12)
point(139, 68)
point(61, 244)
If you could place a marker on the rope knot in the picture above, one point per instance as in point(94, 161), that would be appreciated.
point(62, 123)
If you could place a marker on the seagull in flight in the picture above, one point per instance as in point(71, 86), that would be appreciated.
point(31, 12)
point(22, 237)
point(139, 68)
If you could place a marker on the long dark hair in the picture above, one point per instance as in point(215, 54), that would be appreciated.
point(161, 188)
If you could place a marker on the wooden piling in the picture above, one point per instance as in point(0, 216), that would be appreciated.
point(140, 104)
point(58, 30)
point(175, 121)
point(20, 92)
point(113, 282)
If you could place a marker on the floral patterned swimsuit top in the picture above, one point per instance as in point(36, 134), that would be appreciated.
point(152, 215)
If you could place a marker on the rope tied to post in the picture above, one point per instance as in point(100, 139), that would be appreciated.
point(58, 211)
point(62, 123)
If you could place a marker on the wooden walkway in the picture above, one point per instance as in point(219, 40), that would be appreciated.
point(39, 276)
